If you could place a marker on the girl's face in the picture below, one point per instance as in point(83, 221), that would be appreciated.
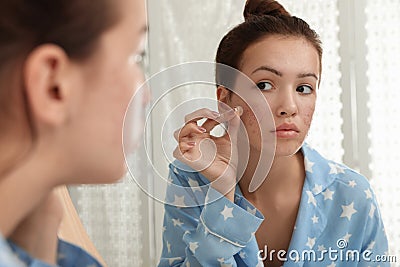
point(286, 71)
point(107, 82)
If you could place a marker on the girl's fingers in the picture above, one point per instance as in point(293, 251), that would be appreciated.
point(227, 116)
point(185, 146)
point(185, 134)
point(187, 130)
point(201, 114)
point(224, 117)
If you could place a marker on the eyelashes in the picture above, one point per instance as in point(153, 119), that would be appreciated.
point(302, 89)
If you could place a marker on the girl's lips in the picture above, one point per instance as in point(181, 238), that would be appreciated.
point(286, 134)
point(287, 131)
point(287, 127)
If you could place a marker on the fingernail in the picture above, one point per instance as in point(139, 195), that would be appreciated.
point(191, 143)
point(239, 110)
point(203, 129)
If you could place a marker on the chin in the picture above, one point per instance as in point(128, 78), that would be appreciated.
point(287, 147)
point(109, 174)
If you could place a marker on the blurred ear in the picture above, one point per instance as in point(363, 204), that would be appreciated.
point(44, 72)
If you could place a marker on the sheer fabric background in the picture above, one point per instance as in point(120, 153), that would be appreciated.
point(126, 225)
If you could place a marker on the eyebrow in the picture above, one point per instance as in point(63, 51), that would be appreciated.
point(304, 75)
point(278, 73)
point(266, 68)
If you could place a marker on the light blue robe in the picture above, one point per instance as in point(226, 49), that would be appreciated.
point(68, 255)
point(338, 212)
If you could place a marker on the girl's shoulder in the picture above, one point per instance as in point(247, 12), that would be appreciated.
point(336, 181)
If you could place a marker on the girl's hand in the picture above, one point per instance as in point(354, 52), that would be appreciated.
point(214, 157)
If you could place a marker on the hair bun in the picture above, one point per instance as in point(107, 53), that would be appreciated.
point(264, 7)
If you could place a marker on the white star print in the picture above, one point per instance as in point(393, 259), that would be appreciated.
point(331, 265)
point(227, 213)
point(220, 260)
point(308, 164)
point(176, 170)
point(242, 254)
point(328, 194)
point(368, 193)
point(252, 211)
point(321, 248)
point(186, 232)
point(194, 185)
point(193, 246)
point(187, 264)
point(177, 222)
point(347, 237)
point(168, 247)
point(311, 198)
point(172, 260)
point(348, 211)
point(335, 169)
point(179, 201)
point(352, 183)
point(314, 219)
point(317, 189)
point(371, 245)
point(226, 265)
point(164, 228)
point(372, 210)
point(310, 242)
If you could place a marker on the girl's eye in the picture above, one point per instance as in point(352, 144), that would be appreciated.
point(265, 86)
point(304, 89)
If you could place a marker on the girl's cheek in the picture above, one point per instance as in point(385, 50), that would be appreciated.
point(307, 117)
point(250, 121)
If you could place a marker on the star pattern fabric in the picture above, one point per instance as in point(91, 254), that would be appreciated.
point(337, 204)
point(7, 257)
point(68, 255)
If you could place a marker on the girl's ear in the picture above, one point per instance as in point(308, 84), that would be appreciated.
point(44, 80)
point(222, 94)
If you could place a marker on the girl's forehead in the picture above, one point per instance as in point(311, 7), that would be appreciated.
point(281, 54)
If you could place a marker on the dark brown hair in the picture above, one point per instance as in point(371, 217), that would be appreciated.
point(73, 25)
point(262, 18)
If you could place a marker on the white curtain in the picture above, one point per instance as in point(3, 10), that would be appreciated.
point(383, 42)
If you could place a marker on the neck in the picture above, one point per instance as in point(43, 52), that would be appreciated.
point(12, 153)
point(285, 175)
point(24, 186)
